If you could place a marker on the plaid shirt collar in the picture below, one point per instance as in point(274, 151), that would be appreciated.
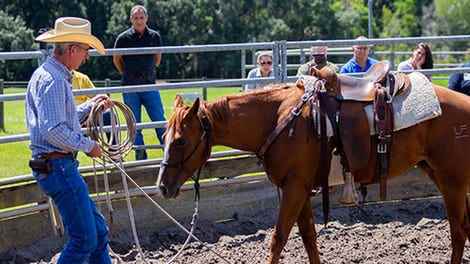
point(67, 74)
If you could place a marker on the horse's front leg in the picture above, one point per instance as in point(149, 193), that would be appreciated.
point(292, 202)
point(306, 225)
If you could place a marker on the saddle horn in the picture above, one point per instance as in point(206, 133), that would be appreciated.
point(349, 195)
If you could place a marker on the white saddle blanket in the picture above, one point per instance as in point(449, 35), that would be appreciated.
point(412, 106)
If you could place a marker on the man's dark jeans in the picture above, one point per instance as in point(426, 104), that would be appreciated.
point(84, 224)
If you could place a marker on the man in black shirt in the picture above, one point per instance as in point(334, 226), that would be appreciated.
point(140, 69)
point(460, 82)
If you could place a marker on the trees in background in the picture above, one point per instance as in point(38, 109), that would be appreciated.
point(186, 22)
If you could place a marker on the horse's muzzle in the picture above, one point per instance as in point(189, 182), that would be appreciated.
point(168, 192)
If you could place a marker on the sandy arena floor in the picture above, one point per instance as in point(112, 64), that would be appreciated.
point(413, 231)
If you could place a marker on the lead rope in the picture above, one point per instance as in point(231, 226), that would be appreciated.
point(168, 215)
point(194, 218)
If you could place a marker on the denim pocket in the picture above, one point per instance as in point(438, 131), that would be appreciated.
point(50, 183)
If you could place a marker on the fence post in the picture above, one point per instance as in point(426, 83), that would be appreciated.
point(2, 112)
point(392, 57)
point(302, 56)
point(283, 57)
point(276, 61)
point(107, 82)
point(243, 67)
point(204, 89)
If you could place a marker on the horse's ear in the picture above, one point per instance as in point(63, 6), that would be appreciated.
point(178, 101)
point(194, 109)
point(300, 84)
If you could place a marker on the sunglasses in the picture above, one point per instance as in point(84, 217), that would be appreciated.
point(82, 47)
point(265, 62)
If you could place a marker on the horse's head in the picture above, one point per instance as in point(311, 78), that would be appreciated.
point(187, 146)
point(330, 77)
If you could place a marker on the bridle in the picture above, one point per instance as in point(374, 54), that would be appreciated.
point(206, 137)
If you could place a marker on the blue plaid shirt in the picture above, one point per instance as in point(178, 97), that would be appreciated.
point(52, 118)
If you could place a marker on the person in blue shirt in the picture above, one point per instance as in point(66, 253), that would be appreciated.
point(460, 82)
point(53, 122)
point(360, 62)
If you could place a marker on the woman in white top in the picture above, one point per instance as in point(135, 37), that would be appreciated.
point(264, 69)
point(420, 59)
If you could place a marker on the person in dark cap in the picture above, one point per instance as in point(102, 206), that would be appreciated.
point(318, 59)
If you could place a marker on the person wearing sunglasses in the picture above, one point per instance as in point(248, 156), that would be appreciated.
point(264, 69)
point(318, 60)
point(360, 62)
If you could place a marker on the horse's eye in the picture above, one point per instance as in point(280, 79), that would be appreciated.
point(180, 142)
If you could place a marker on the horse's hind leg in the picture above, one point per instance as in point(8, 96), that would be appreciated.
point(455, 200)
point(307, 231)
point(293, 199)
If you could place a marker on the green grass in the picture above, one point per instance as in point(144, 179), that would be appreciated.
point(14, 156)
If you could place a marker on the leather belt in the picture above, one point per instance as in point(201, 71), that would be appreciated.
point(59, 155)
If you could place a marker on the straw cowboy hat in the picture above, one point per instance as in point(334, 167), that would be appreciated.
point(72, 29)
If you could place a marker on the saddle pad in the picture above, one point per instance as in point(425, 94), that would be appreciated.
point(412, 106)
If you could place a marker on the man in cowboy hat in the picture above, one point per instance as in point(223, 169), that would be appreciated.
point(318, 60)
point(53, 122)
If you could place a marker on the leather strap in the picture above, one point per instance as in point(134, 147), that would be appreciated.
point(294, 113)
point(383, 119)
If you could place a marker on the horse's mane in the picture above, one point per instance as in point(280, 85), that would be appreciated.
point(219, 109)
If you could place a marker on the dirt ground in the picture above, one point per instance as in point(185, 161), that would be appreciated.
point(413, 231)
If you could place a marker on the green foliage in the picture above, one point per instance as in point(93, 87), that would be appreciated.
point(402, 22)
point(187, 22)
point(352, 17)
point(454, 15)
point(14, 36)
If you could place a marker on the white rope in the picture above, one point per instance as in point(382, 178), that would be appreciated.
point(168, 215)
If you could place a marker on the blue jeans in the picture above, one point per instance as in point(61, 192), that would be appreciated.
point(153, 105)
point(84, 225)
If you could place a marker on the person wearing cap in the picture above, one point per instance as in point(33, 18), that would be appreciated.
point(264, 68)
point(360, 62)
point(318, 60)
point(53, 122)
point(140, 69)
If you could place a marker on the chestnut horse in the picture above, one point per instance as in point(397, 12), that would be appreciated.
point(292, 162)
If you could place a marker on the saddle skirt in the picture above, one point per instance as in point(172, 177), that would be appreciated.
point(411, 107)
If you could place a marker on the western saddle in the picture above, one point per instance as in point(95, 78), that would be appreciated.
point(349, 121)
point(344, 105)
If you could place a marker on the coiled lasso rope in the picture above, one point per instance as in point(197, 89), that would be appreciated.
point(114, 148)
